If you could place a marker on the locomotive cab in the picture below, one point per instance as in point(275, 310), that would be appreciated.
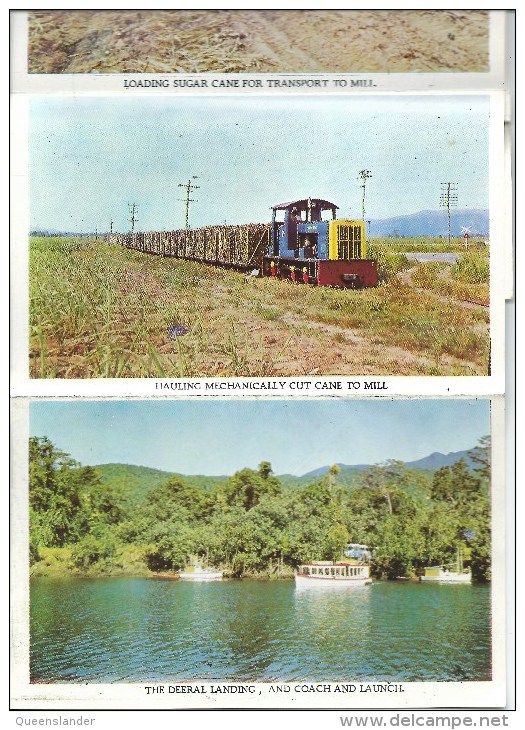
point(300, 229)
point(309, 244)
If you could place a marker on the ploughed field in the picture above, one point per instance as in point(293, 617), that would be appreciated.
point(100, 310)
point(301, 41)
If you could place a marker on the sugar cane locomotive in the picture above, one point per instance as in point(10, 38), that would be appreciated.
point(307, 248)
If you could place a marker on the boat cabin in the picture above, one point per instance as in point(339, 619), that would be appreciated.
point(334, 570)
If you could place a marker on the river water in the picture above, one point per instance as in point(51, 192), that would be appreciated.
point(136, 630)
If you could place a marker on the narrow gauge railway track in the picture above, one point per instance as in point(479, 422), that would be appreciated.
point(476, 302)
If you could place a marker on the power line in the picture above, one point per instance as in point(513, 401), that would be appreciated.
point(364, 175)
point(448, 199)
point(189, 186)
point(132, 212)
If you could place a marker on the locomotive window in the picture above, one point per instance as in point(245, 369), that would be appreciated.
point(308, 242)
point(315, 215)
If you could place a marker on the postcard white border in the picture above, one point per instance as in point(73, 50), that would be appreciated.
point(112, 83)
point(414, 695)
point(500, 262)
point(27, 697)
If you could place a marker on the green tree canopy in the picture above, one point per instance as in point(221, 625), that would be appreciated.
point(247, 487)
point(60, 494)
point(175, 495)
point(408, 517)
point(66, 500)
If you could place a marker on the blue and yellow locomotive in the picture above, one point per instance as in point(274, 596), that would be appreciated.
point(305, 248)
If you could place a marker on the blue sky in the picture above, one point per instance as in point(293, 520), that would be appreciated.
point(91, 156)
point(221, 436)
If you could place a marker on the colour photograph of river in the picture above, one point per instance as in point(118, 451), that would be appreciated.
point(137, 630)
point(179, 553)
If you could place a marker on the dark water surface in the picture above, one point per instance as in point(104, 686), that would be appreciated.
point(135, 629)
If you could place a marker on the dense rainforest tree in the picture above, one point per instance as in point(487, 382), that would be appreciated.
point(337, 539)
point(383, 514)
point(455, 484)
point(462, 510)
point(481, 456)
point(169, 545)
point(250, 524)
point(175, 495)
point(93, 550)
point(66, 500)
point(246, 487)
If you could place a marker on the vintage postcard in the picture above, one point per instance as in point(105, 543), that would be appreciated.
point(276, 41)
point(264, 236)
point(212, 221)
point(260, 263)
point(236, 553)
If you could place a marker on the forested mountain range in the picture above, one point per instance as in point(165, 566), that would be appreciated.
point(138, 481)
point(123, 519)
point(433, 461)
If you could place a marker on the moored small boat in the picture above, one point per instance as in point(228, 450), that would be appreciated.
point(197, 573)
point(441, 574)
point(452, 573)
point(325, 574)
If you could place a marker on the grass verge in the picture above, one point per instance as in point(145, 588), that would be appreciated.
point(98, 310)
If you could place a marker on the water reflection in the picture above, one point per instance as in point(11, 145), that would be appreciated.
point(335, 626)
point(118, 630)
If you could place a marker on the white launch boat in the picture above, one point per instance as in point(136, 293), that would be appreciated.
point(197, 573)
point(325, 574)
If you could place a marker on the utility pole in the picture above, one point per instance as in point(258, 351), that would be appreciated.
point(189, 186)
point(110, 227)
point(364, 175)
point(448, 199)
point(132, 212)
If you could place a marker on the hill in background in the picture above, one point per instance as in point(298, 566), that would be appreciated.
point(135, 482)
point(431, 462)
point(431, 223)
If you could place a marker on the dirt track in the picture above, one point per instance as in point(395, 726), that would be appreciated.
point(299, 41)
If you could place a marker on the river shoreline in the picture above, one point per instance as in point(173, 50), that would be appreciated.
point(56, 563)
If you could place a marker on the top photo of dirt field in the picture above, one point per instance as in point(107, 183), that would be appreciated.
point(258, 41)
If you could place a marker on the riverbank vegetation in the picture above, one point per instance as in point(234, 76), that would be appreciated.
point(98, 310)
point(250, 524)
